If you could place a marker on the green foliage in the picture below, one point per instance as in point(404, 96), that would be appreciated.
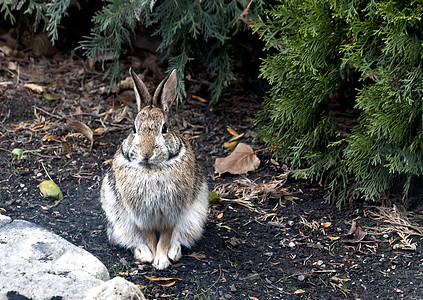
point(31, 13)
point(113, 27)
point(190, 30)
point(55, 11)
point(6, 10)
point(315, 48)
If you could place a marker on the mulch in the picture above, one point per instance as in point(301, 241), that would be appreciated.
point(268, 236)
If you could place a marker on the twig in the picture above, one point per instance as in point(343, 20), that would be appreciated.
point(243, 14)
point(48, 175)
point(49, 113)
point(220, 275)
point(311, 272)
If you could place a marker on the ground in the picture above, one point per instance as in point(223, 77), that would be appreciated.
point(268, 236)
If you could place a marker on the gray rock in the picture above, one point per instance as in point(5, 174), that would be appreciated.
point(4, 220)
point(116, 289)
point(40, 265)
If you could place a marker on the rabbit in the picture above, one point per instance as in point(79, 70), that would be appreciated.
point(154, 195)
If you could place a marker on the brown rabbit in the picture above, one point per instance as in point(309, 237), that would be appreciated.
point(155, 196)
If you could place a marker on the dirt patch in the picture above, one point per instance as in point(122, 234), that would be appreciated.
point(268, 237)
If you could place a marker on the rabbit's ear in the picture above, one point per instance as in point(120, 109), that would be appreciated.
point(166, 92)
point(141, 92)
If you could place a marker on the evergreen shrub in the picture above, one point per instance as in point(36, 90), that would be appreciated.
point(190, 30)
point(345, 106)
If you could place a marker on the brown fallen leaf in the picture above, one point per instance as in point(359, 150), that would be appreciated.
point(120, 116)
point(168, 284)
point(35, 87)
point(355, 234)
point(126, 84)
point(161, 278)
point(327, 224)
point(201, 99)
point(66, 146)
point(84, 129)
point(240, 161)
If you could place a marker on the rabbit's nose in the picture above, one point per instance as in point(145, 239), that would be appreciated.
point(146, 155)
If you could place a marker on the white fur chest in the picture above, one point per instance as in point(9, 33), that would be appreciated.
point(152, 197)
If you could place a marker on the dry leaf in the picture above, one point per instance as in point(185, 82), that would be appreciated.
point(126, 84)
point(199, 98)
point(232, 132)
point(240, 161)
point(230, 145)
point(168, 284)
point(253, 298)
point(12, 66)
point(120, 116)
point(219, 216)
point(299, 292)
point(355, 235)
point(327, 224)
point(78, 111)
point(84, 129)
point(66, 146)
point(35, 87)
point(235, 138)
point(161, 278)
point(333, 238)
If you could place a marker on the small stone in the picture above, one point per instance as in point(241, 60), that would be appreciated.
point(319, 262)
point(385, 236)
point(232, 288)
point(301, 277)
point(117, 288)
point(290, 223)
point(291, 244)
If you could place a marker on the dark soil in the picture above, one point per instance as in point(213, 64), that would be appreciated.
point(261, 241)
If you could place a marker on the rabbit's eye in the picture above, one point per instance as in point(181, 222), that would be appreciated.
point(164, 128)
point(134, 129)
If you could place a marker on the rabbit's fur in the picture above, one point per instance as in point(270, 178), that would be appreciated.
point(154, 195)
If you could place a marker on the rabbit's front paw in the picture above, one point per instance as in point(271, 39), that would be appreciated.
point(143, 254)
point(161, 262)
point(174, 252)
